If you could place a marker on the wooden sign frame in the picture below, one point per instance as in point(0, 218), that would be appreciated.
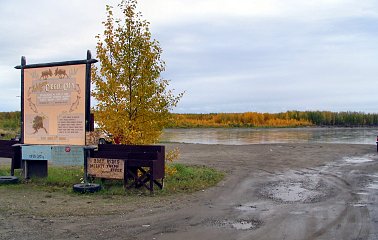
point(55, 101)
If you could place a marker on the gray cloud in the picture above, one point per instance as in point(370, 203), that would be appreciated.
point(264, 56)
point(274, 64)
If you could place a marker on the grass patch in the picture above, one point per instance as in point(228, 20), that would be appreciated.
point(192, 178)
point(63, 177)
point(4, 171)
point(187, 179)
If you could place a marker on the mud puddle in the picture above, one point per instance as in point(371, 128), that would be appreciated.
point(358, 160)
point(373, 185)
point(238, 224)
point(308, 188)
point(244, 225)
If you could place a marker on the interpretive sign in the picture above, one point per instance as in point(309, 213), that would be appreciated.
point(106, 168)
point(67, 155)
point(54, 105)
point(55, 102)
point(55, 113)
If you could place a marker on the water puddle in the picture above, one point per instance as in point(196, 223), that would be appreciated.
point(359, 205)
point(292, 192)
point(297, 212)
point(309, 188)
point(357, 159)
point(243, 225)
point(246, 208)
point(246, 224)
point(238, 224)
point(362, 193)
point(373, 185)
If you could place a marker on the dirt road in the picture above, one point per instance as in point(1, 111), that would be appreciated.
point(275, 191)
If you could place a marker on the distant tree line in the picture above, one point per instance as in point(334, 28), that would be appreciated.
point(11, 120)
point(341, 119)
point(284, 119)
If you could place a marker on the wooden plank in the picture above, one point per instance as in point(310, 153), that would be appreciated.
point(6, 149)
point(106, 168)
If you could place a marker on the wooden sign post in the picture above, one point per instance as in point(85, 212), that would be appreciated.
point(55, 105)
point(55, 101)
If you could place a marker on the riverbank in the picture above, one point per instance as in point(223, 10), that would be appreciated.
point(300, 191)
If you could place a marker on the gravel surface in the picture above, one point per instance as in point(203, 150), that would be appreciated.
point(271, 191)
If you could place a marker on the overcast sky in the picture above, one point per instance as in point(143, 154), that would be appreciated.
point(228, 56)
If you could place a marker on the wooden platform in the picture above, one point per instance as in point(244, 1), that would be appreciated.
point(144, 165)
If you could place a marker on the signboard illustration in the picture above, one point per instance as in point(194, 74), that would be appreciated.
point(54, 105)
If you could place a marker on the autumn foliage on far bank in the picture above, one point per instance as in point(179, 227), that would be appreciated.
point(248, 119)
point(284, 119)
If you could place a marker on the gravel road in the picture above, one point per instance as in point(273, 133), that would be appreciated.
point(271, 191)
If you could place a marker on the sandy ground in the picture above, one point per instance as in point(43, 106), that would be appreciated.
point(273, 191)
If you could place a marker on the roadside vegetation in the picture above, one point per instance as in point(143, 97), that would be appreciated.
point(186, 179)
point(9, 124)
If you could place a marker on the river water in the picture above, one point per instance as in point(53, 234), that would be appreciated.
point(240, 136)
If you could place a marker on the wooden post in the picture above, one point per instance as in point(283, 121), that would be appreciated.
point(23, 63)
point(88, 92)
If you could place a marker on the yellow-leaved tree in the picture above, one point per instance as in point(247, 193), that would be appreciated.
point(133, 101)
